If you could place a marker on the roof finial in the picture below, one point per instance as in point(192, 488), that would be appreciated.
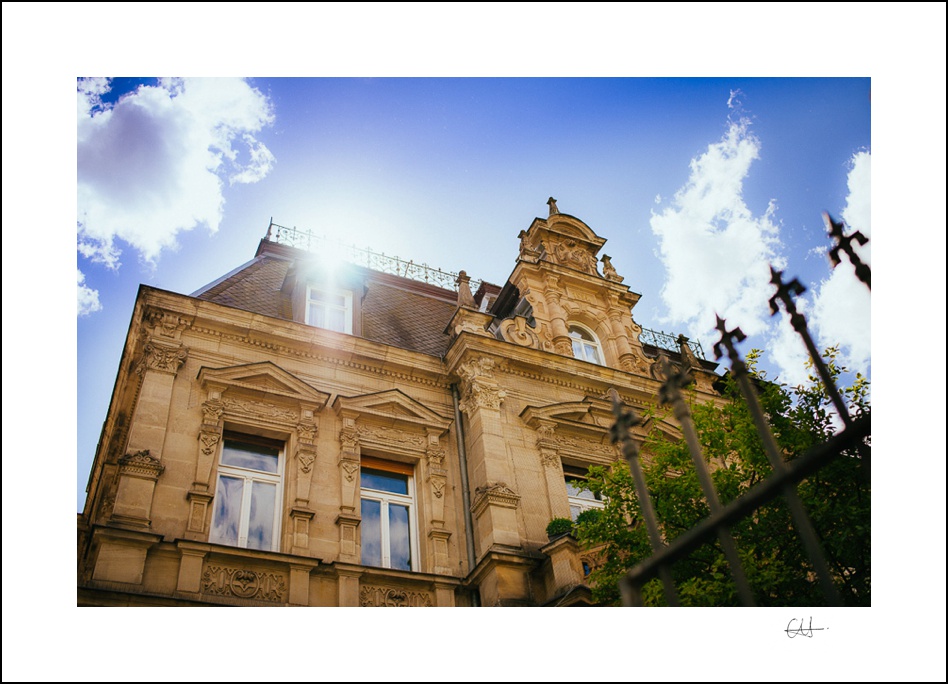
point(553, 209)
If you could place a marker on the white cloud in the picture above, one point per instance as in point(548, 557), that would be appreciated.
point(717, 254)
point(88, 298)
point(152, 164)
point(841, 309)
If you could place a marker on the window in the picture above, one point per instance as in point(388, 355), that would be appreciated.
point(585, 345)
point(246, 504)
point(329, 308)
point(388, 515)
point(580, 499)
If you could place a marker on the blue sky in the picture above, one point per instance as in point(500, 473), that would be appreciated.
point(448, 171)
point(698, 184)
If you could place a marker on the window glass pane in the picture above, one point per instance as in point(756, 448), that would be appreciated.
point(574, 512)
point(251, 456)
point(371, 532)
point(227, 510)
point(573, 489)
point(316, 317)
point(317, 295)
point(262, 509)
point(384, 481)
point(578, 350)
point(336, 320)
point(398, 537)
point(592, 354)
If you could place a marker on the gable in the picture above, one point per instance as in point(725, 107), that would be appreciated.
point(264, 377)
point(392, 406)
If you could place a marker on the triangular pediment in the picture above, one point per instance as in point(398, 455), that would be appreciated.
point(265, 378)
point(591, 413)
point(392, 406)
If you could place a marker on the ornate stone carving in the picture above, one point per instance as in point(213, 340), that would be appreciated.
point(349, 469)
point(213, 410)
point(166, 324)
point(390, 436)
point(220, 580)
point(609, 271)
point(162, 358)
point(497, 493)
point(587, 447)
point(517, 331)
point(480, 388)
point(209, 442)
point(306, 459)
point(550, 459)
point(575, 255)
point(141, 463)
point(307, 431)
point(261, 409)
point(349, 438)
point(435, 457)
point(437, 486)
point(393, 598)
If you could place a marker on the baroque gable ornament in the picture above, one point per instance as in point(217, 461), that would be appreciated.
point(517, 331)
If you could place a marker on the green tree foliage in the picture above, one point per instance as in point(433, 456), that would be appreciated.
point(836, 498)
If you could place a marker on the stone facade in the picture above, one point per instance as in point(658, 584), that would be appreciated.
point(241, 457)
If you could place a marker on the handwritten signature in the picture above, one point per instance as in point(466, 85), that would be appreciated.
point(798, 628)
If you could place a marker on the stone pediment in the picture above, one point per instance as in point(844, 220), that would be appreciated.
point(591, 416)
point(394, 407)
point(264, 378)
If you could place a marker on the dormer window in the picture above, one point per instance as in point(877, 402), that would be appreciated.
point(585, 345)
point(329, 308)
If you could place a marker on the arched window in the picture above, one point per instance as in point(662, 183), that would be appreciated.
point(585, 345)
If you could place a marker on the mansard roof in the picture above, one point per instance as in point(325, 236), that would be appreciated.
point(395, 311)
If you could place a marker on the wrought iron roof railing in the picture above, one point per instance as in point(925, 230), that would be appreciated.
point(669, 342)
point(381, 262)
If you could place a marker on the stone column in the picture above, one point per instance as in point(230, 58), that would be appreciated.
point(495, 503)
point(209, 438)
point(436, 479)
point(301, 515)
point(562, 343)
point(553, 470)
point(349, 510)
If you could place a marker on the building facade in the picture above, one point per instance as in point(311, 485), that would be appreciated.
point(307, 432)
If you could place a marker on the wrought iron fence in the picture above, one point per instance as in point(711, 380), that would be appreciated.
point(785, 476)
point(376, 261)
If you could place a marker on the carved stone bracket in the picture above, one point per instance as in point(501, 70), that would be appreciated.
point(141, 464)
point(160, 323)
point(479, 388)
point(496, 494)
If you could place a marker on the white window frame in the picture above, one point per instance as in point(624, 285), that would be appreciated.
point(386, 498)
point(582, 503)
point(249, 476)
point(588, 345)
point(331, 292)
